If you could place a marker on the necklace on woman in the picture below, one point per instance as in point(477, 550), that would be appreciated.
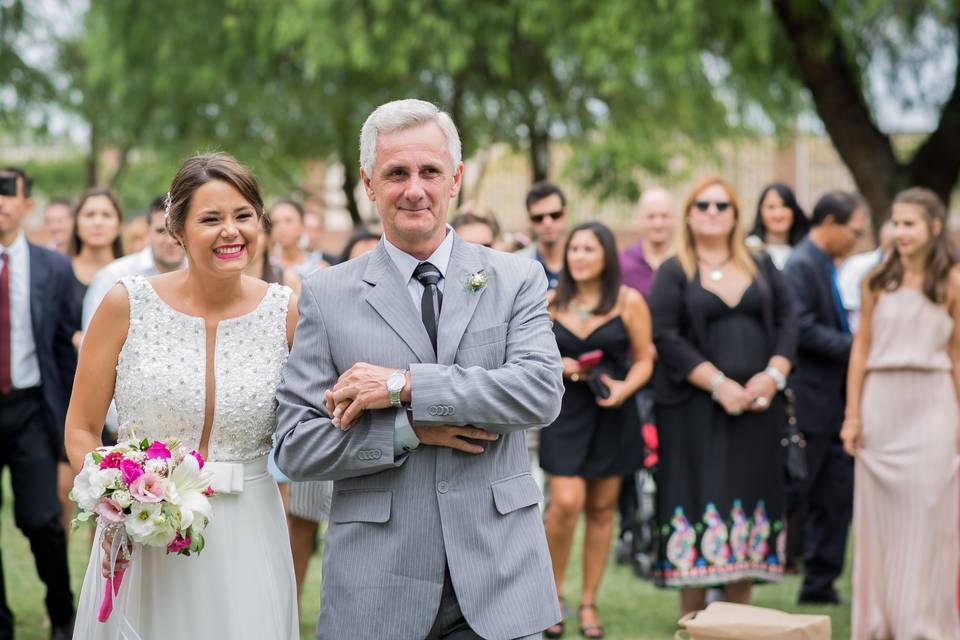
point(582, 312)
point(714, 271)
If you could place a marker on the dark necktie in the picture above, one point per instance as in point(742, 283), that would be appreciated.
point(428, 275)
point(6, 356)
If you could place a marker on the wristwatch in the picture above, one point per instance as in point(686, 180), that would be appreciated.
point(395, 384)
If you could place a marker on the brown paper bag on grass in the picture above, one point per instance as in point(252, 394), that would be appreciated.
point(727, 621)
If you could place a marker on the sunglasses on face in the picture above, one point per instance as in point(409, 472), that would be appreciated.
point(704, 205)
point(537, 218)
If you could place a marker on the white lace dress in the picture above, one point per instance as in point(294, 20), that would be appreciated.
point(241, 586)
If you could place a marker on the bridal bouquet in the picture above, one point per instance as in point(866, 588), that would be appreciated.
point(148, 493)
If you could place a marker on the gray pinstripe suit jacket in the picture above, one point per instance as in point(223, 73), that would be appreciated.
point(395, 519)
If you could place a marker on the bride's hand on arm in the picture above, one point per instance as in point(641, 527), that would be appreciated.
point(96, 376)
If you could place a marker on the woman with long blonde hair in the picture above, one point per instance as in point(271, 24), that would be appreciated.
point(725, 333)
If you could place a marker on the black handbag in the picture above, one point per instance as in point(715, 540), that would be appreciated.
point(793, 442)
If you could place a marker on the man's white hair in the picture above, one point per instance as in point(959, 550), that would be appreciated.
point(404, 114)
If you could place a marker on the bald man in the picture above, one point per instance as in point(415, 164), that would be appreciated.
point(657, 222)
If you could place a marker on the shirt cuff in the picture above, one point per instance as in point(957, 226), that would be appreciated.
point(404, 438)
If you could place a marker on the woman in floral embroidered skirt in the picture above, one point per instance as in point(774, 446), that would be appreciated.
point(725, 332)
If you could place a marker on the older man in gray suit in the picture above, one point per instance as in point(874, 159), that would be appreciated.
point(414, 371)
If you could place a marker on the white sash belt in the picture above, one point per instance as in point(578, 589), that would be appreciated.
point(228, 477)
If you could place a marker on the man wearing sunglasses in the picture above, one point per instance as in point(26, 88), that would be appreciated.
point(547, 210)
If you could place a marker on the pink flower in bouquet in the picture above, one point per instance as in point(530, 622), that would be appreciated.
point(208, 491)
point(179, 543)
point(112, 460)
point(110, 510)
point(130, 470)
point(196, 454)
point(149, 487)
point(157, 450)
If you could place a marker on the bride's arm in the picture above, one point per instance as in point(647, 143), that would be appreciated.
point(96, 375)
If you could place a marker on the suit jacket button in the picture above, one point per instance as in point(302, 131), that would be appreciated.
point(443, 486)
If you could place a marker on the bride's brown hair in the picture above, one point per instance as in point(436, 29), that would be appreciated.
point(198, 171)
point(936, 272)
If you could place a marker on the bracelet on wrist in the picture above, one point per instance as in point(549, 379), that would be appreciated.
point(779, 379)
point(715, 382)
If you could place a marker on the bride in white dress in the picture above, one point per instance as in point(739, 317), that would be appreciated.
point(196, 355)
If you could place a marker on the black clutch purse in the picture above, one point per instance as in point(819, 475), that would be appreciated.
point(793, 442)
point(595, 384)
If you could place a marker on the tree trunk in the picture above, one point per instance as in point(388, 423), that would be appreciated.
point(539, 152)
point(93, 157)
point(349, 187)
point(826, 71)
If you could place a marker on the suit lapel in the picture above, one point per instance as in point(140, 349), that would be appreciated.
point(459, 303)
point(389, 297)
point(38, 282)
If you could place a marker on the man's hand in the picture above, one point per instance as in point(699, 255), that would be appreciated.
point(453, 437)
point(363, 386)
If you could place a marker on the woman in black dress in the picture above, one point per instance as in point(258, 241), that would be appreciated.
point(595, 440)
point(725, 332)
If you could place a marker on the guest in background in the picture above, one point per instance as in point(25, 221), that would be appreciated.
point(821, 507)
point(902, 423)
point(134, 235)
point(94, 242)
point(263, 268)
point(476, 228)
point(856, 268)
point(360, 242)
point(725, 332)
point(312, 239)
point(595, 440)
point(162, 254)
point(58, 219)
point(547, 210)
point(37, 366)
point(656, 222)
point(780, 223)
point(286, 218)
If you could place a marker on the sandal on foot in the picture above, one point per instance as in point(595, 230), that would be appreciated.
point(555, 630)
point(592, 630)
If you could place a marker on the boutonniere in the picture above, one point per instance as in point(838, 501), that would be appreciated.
point(476, 281)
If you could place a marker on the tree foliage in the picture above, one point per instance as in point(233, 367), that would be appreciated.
point(628, 85)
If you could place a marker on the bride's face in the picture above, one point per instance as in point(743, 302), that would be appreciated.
point(220, 233)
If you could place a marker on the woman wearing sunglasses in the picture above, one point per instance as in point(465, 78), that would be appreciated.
point(725, 332)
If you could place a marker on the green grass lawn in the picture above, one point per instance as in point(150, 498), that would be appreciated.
point(630, 609)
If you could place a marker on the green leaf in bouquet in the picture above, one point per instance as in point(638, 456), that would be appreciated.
point(144, 444)
point(96, 457)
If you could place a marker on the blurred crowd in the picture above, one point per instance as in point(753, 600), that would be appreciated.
point(724, 387)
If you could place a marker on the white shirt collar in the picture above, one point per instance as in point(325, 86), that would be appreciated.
point(18, 248)
point(406, 263)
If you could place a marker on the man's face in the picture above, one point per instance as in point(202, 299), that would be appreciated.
point(548, 218)
point(59, 221)
point(167, 253)
point(477, 232)
point(13, 208)
point(412, 183)
point(846, 236)
point(656, 218)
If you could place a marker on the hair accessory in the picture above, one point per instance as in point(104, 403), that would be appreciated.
point(167, 205)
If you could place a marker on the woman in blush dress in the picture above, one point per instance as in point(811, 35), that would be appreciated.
point(901, 423)
point(196, 355)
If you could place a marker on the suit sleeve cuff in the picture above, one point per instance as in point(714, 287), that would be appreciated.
point(404, 438)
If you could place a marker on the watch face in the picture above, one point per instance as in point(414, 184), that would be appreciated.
point(395, 382)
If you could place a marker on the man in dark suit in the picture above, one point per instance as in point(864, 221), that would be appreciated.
point(821, 507)
point(37, 365)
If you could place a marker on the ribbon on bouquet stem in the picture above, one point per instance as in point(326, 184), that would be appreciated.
point(118, 544)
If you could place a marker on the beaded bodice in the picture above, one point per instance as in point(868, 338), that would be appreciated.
point(160, 390)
